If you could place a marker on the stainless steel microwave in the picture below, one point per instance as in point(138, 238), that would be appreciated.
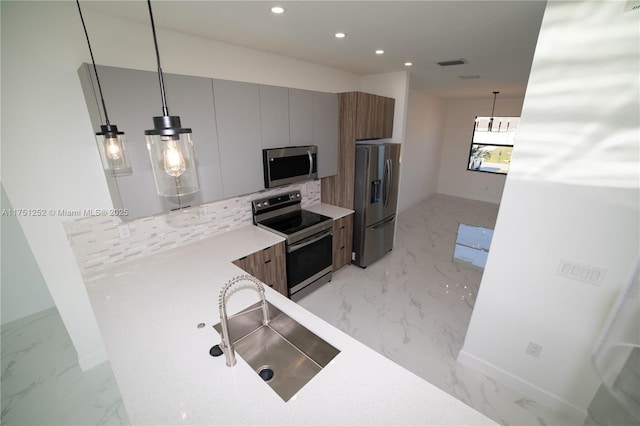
point(291, 164)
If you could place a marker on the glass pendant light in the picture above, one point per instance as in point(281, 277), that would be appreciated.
point(170, 147)
point(111, 142)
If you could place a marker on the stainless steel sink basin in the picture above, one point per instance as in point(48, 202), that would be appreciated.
point(284, 353)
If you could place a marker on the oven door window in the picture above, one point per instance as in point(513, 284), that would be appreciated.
point(308, 260)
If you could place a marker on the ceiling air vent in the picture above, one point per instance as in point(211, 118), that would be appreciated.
point(453, 62)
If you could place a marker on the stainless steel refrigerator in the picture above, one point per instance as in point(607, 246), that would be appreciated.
point(375, 201)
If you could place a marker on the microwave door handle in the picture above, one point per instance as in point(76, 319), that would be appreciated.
point(310, 162)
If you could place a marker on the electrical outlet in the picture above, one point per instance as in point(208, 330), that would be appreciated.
point(124, 231)
point(534, 350)
point(578, 271)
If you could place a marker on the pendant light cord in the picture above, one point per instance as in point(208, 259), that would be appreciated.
point(494, 103)
point(95, 70)
point(165, 110)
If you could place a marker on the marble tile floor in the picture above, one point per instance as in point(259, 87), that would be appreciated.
point(414, 306)
point(42, 383)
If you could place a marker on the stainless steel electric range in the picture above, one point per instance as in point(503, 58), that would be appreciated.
point(309, 239)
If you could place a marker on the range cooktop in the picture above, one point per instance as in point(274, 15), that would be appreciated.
point(293, 222)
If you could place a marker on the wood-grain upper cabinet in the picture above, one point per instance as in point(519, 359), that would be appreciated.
point(269, 266)
point(374, 117)
point(342, 241)
point(238, 118)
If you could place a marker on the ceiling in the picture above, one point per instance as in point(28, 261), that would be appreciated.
point(496, 38)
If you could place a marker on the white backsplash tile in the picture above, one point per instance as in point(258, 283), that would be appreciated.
point(97, 245)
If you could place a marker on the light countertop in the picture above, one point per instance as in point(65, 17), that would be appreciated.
point(332, 211)
point(148, 312)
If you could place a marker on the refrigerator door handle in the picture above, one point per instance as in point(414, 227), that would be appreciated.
point(383, 224)
point(387, 181)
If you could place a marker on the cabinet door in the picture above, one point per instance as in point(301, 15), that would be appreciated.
point(274, 116)
point(338, 189)
point(325, 132)
point(237, 107)
point(300, 117)
point(133, 99)
point(374, 117)
point(269, 266)
point(388, 108)
point(342, 241)
point(274, 268)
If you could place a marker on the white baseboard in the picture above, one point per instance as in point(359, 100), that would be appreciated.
point(570, 411)
point(88, 362)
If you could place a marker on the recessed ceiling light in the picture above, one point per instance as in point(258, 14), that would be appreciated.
point(340, 35)
point(408, 64)
point(277, 10)
point(379, 52)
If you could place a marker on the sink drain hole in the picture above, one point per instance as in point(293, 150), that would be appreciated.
point(266, 373)
point(215, 351)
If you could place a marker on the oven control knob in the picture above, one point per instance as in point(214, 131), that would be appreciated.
point(298, 195)
point(259, 205)
point(266, 203)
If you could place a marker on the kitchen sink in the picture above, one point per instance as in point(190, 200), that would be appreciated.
point(284, 353)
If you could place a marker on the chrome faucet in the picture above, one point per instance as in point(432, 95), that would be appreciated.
point(227, 345)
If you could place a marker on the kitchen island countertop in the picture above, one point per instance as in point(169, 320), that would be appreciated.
point(149, 310)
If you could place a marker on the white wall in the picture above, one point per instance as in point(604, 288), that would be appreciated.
point(20, 275)
point(454, 178)
point(572, 193)
point(49, 158)
point(422, 149)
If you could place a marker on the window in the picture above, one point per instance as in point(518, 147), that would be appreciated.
point(492, 144)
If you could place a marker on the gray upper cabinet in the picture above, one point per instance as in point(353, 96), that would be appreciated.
point(237, 108)
point(191, 98)
point(133, 99)
point(231, 122)
point(274, 116)
point(300, 117)
point(325, 132)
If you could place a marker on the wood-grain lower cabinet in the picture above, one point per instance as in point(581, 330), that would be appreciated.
point(342, 241)
point(269, 266)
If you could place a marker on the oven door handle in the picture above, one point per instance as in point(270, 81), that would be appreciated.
point(310, 240)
